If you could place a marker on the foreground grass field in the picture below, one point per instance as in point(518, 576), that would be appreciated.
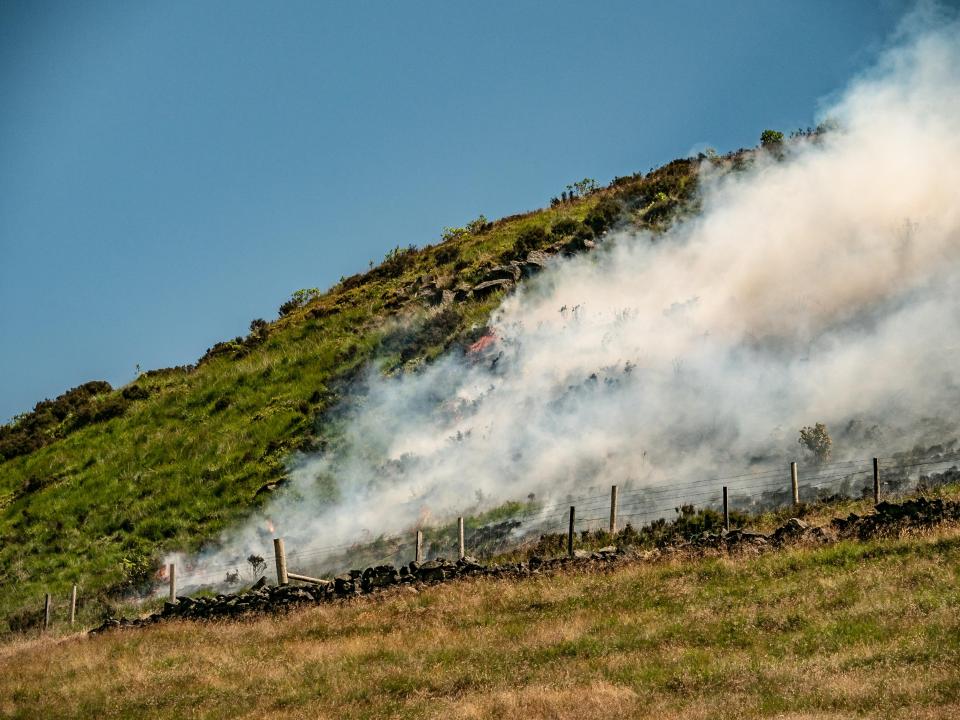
point(857, 629)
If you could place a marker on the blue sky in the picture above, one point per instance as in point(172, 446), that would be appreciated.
point(170, 171)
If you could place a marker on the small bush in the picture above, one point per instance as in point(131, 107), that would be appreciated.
point(582, 187)
point(50, 419)
point(530, 239)
point(771, 139)
point(583, 233)
point(396, 262)
point(14, 444)
point(447, 254)
point(26, 619)
point(99, 412)
point(603, 216)
point(479, 226)
point(138, 571)
point(299, 299)
point(452, 234)
point(565, 226)
point(352, 282)
point(135, 392)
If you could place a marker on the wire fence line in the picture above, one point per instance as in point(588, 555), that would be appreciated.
point(757, 490)
point(664, 498)
point(762, 489)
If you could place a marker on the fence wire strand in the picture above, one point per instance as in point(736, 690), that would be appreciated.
point(770, 485)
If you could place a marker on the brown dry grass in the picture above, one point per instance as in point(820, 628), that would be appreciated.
point(852, 630)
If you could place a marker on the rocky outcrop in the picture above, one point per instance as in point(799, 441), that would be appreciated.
point(458, 294)
point(510, 272)
point(430, 292)
point(491, 286)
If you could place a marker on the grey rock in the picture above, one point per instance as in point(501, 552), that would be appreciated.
point(502, 272)
point(430, 295)
point(491, 286)
point(792, 529)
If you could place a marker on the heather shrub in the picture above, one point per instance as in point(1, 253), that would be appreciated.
point(602, 217)
point(530, 239)
point(564, 227)
point(135, 392)
point(396, 262)
point(447, 253)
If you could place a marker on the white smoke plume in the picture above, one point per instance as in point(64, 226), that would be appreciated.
point(820, 287)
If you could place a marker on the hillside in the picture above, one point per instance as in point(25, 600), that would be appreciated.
point(98, 484)
point(857, 628)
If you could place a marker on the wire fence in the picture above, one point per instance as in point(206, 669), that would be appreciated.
point(758, 490)
point(761, 489)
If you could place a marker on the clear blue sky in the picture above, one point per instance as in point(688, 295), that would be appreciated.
point(170, 171)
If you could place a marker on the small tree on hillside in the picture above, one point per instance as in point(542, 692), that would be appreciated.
point(257, 564)
point(771, 139)
point(817, 441)
point(452, 234)
point(582, 188)
point(298, 300)
point(479, 225)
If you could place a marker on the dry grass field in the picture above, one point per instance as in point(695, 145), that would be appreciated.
point(856, 629)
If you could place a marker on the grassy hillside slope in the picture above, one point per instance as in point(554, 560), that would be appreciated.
point(855, 629)
point(167, 462)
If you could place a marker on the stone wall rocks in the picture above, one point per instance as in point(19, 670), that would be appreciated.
point(888, 518)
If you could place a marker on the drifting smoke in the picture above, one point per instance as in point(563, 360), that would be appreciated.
point(821, 287)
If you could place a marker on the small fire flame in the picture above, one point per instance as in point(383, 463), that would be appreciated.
point(270, 527)
point(482, 344)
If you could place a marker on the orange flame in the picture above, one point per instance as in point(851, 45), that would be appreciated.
point(482, 344)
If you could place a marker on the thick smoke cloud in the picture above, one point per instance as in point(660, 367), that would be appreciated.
point(820, 287)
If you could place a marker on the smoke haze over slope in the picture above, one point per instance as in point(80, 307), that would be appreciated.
point(822, 287)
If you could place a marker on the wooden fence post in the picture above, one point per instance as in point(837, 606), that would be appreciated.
point(794, 483)
point(613, 509)
point(876, 481)
point(570, 532)
point(281, 557)
point(726, 511)
point(46, 611)
point(73, 605)
point(172, 572)
point(419, 551)
point(463, 550)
